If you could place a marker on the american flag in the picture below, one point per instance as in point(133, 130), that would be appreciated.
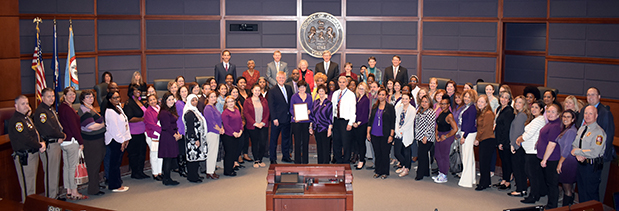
point(39, 70)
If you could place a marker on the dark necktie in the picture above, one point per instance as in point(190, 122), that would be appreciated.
point(226, 66)
point(582, 135)
point(339, 102)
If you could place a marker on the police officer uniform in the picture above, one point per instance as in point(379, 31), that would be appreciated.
point(25, 142)
point(590, 143)
point(50, 130)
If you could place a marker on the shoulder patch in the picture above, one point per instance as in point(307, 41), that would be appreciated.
point(19, 127)
point(598, 140)
point(43, 117)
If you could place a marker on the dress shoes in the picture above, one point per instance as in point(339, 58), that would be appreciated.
point(273, 162)
point(359, 167)
point(100, 193)
point(200, 177)
point(212, 176)
point(503, 187)
point(287, 160)
point(137, 176)
point(480, 187)
point(196, 181)
point(158, 177)
point(376, 176)
point(517, 193)
point(170, 183)
point(418, 178)
point(528, 200)
point(231, 174)
point(370, 167)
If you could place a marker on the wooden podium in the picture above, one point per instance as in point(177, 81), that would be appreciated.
point(329, 188)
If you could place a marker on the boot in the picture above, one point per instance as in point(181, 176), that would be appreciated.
point(182, 166)
point(568, 200)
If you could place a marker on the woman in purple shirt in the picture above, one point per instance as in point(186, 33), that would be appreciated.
point(168, 147)
point(568, 163)
point(233, 127)
point(214, 129)
point(321, 124)
point(153, 130)
point(380, 133)
point(360, 126)
point(72, 144)
point(134, 109)
point(300, 128)
point(467, 134)
point(549, 154)
point(181, 97)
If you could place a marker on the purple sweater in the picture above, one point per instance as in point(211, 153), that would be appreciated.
point(468, 121)
point(549, 133)
point(179, 122)
point(212, 117)
point(233, 123)
point(363, 110)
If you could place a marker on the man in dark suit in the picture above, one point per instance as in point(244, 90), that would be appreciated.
point(332, 68)
point(224, 68)
point(606, 121)
point(396, 71)
point(294, 79)
point(279, 105)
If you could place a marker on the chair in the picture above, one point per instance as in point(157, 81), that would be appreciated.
point(161, 86)
point(5, 115)
point(481, 88)
point(101, 90)
point(543, 89)
point(442, 83)
point(201, 79)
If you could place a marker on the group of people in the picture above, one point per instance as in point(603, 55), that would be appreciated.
point(197, 128)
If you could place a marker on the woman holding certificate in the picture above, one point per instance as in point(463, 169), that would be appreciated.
point(300, 107)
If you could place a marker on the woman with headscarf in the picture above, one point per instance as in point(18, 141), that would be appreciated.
point(195, 138)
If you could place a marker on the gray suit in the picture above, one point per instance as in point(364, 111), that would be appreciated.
point(272, 71)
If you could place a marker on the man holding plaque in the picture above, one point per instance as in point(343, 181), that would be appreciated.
point(344, 107)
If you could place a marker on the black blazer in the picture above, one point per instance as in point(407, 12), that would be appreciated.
point(503, 125)
point(388, 118)
point(289, 83)
point(607, 122)
point(334, 71)
point(402, 75)
point(220, 72)
point(278, 106)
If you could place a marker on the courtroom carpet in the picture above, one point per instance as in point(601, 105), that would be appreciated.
point(247, 192)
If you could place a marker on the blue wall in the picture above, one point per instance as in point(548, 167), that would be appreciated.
point(362, 36)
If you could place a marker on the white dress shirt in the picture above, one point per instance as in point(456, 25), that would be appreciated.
point(327, 67)
point(348, 107)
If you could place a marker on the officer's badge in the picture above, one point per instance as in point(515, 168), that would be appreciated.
point(598, 140)
point(43, 117)
point(19, 127)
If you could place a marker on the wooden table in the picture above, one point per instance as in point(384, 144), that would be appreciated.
point(318, 196)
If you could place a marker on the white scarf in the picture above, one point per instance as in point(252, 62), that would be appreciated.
point(188, 107)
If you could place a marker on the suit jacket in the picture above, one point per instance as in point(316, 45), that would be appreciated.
point(402, 75)
point(272, 71)
point(607, 122)
point(220, 72)
point(334, 71)
point(289, 83)
point(278, 106)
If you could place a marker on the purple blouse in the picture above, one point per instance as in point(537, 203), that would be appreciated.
point(137, 128)
point(363, 109)
point(296, 99)
point(212, 117)
point(321, 115)
point(179, 122)
point(565, 142)
point(549, 133)
point(232, 121)
point(377, 126)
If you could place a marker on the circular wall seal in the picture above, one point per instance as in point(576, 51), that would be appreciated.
point(319, 32)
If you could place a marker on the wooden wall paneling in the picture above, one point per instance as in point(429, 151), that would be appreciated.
point(11, 71)
point(8, 37)
point(419, 39)
point(222, 25)
point(96, 22)
point(500, 45)
point(342, 49)
point(143, 40)
point(583, 60)
point(9, 8)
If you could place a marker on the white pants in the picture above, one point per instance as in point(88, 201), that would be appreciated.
point(70, 155)
point(467, 179)
point(156, 163)
point(212, 140)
